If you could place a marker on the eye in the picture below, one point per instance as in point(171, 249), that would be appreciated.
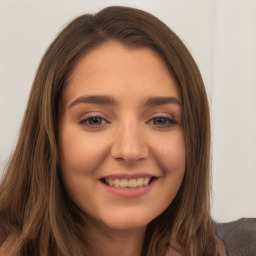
point(93, 121)
point(163, 121)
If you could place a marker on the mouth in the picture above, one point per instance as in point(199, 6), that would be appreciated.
point(128, 183)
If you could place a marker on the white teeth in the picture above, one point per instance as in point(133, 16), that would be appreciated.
point(116, 183)
point(146, 181)
point(111, 182)
point(128, 183)
point(140, 182)
point(124, 183)
point(132, 183)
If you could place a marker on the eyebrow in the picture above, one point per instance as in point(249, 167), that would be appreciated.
point(107, 100)
point(102, 100)
point(156, 101)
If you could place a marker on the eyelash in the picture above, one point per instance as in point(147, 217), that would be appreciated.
point(168, 121)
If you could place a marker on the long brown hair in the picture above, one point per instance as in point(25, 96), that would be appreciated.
point(36, 215)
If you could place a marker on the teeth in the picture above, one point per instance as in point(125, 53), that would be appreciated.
point(116, 183)
point(146, 181)
point(111, 182)
point(128, 183)
point(124, 183)
point(140, 182)
point(132, 183)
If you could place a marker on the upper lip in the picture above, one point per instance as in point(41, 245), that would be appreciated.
point(128, 176)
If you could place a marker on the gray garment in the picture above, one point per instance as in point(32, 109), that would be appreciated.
point(239, 237)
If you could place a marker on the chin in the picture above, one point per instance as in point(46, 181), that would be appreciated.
point(125, 222)
point(126, 226)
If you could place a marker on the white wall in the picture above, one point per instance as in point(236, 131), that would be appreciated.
point(221, 36)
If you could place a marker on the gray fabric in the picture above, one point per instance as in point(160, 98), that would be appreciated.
point(239, 237)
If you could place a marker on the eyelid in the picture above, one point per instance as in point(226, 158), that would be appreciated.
point(163, 115)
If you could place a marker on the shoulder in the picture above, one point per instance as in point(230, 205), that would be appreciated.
point(239, 237)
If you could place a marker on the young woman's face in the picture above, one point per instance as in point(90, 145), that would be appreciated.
point(121, 138)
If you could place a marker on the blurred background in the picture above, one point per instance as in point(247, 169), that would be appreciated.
point(220, 34)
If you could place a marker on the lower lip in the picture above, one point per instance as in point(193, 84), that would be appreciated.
point(130, 193)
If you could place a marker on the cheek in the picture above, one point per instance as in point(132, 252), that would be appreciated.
point(80, 153)
point(80, 159)
point(171, 153)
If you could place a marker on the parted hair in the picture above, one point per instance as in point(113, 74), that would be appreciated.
point(36, 215)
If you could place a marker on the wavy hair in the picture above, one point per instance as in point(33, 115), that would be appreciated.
point(36, 215)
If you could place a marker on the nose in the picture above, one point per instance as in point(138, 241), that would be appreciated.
point(129, 144)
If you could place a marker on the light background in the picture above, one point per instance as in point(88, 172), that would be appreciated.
point(221, 35)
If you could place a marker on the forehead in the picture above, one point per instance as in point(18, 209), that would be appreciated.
point(113, 68)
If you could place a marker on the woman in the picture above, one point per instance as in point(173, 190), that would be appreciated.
point(114, 150)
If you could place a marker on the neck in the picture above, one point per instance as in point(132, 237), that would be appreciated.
point(106, 241)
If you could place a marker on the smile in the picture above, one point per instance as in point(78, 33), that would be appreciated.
point(128, 183)
point(128, 186)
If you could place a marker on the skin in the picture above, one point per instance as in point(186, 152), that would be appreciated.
point(127, 138)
